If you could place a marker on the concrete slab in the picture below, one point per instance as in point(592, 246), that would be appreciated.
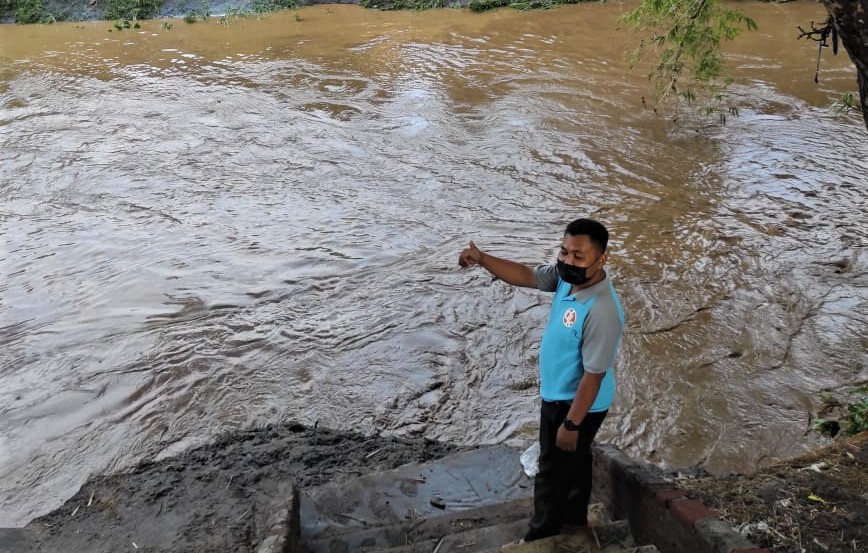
point(469, 541)
point(481, 539)
point(601, 540)
point(427, 530)
point(413, 492)
point(282, 528)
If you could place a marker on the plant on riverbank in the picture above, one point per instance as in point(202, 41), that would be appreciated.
point(123, 24)
point(131, 9)
point(235, 13)
point(685, 37)
point(29, 11)
point(268, 6)
point(389, 5)
point(257, 9)
point(521, 5)
point(847, 103)
point(202, 14)
point(843, 414)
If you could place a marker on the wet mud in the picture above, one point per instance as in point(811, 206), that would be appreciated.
point(217, 497)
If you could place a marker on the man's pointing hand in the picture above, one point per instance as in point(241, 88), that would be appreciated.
point(470, 256)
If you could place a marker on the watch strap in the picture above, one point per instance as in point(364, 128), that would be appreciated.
point(570, 425)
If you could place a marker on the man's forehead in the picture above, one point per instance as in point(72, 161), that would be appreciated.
point(579, 242)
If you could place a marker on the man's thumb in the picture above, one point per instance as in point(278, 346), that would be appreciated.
point(473, 246)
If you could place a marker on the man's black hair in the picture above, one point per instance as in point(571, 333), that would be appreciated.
point(592, 229)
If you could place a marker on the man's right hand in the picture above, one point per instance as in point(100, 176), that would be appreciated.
point(470, 256)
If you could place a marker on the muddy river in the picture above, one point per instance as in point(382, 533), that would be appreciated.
point(219, 226)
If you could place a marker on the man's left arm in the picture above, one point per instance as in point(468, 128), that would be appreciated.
point(586, 393)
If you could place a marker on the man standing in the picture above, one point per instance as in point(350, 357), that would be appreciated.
point(576, 367)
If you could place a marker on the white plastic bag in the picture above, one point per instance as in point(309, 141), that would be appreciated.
point(530, 460)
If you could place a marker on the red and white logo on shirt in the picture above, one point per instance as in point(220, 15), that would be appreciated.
point(570, 317)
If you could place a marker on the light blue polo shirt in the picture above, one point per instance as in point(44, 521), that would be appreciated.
point(582, 335)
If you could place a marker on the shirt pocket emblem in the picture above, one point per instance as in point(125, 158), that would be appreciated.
point(569, 317)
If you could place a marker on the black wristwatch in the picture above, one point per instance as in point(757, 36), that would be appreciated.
point(570, 425)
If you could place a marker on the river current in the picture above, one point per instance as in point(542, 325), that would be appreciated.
point(213, 227)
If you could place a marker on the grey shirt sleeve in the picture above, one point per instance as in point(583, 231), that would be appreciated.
point(546, 277)
point(601, 335)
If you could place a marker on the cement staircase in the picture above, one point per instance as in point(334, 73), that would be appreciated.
point(476, 501)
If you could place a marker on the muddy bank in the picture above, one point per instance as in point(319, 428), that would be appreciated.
point(214, 498)
point(814, 503)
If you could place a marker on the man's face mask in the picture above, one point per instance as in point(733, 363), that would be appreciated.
point(572, 274)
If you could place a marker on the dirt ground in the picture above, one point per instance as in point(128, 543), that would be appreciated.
point(217, 497)
point(817, 503)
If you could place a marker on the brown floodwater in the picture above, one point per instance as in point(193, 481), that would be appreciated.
point(211, 227)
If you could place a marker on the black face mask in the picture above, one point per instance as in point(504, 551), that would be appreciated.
point(572, 274)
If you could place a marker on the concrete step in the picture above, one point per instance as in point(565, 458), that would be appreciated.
point(469, 541)
point(562, 544)
point(424, 530)
point(607, 538)
point(470, 502)
point(466, 480)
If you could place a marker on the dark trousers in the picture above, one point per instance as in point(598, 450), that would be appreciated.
point(562, 487)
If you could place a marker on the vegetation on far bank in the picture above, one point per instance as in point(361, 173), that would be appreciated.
point(51, 11)
point(472, 5)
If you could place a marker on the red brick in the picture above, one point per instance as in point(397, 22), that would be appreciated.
point(688, 511)
point(664, 497)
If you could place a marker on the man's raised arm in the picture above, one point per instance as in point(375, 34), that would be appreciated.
point(508, 271)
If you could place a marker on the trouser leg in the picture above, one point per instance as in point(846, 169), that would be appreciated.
point(562, 486)
point(580, 492)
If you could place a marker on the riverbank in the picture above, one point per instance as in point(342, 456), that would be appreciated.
point(191, 11)
point(50, 11)
point(216, 497)
point(815, 503)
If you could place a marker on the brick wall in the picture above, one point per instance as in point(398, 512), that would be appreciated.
point(658, 511)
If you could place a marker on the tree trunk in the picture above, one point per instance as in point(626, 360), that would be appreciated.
point(850, 18)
